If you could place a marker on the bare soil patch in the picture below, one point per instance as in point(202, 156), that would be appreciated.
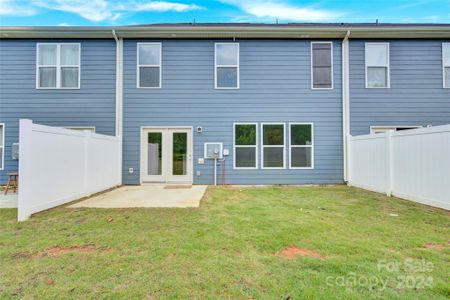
point(433, 246)
point(292, 252)
point(53, 251)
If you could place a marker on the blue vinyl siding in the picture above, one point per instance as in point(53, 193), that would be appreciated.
point(275, 86)
point(91, 105)
point(416, 95)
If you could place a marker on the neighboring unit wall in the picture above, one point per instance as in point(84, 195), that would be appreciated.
point(91, 105)
point(275, 86)
point(416, 95)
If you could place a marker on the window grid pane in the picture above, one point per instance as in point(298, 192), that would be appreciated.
point(227, 77)
point(227, 54)
point(47, 55)
point(447, 77)
point(377, 76)
point(446, 54)
point(47, 77)
point(69, 77)
point(301, 157)
point(70, 55)
point(149, 54)
point(245, 157)
point(1, 135)
point(301, 134)
point(273, 157)
point(245, 134)
point(377, 55)
point(149, 77)
point(273, 134)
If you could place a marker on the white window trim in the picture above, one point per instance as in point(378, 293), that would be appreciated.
point(245, 146)
point(332, 67)
point(273, 146)
point(230, 66)
point(81, 127)
point(388, 66)
point(138, 84)
point(444, 66)
point(391, 127)
point(301, 146)
point(2, 158)
point(58, 67)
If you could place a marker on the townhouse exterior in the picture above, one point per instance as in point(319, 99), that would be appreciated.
point(279, 99)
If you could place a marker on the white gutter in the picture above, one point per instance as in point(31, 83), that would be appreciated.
point(119, 96)
point(345, 101)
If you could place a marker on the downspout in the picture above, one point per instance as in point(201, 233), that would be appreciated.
point(345, 102)
point(119, 97)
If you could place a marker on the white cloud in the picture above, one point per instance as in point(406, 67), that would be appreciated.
point(15, 8)
point(269, 9)
point(433, 19)
point(162, 6)
point(92, 10)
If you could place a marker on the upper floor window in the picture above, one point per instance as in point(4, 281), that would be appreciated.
point(58, 66)
point(245, 145)
point(226, 65)
point(377, 65)
point(149, 65)
point(2, 144)
point(322, 65)
point(446, 64)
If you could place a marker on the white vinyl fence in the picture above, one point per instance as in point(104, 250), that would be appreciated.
point(59, 165)
point(411, 164)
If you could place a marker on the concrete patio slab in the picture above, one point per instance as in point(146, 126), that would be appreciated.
point(9, 200)
point(146, 196)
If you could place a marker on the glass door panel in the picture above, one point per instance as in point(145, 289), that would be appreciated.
point(154, 153)
point(179, 153)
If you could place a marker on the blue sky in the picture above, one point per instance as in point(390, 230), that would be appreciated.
point(129, 12)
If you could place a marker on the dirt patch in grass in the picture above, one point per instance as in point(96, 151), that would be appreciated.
point(433, 246)
point(63, 250)
point(292, 252)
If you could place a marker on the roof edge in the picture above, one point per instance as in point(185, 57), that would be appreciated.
point(231, 31)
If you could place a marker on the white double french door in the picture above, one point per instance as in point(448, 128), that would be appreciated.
point(166, 155)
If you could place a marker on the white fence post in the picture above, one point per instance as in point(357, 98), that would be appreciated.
point(87, 137)
point(389, 162)
point(349, 158)
point(25, 160)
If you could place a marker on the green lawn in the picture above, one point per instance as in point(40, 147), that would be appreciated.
point(227, 248)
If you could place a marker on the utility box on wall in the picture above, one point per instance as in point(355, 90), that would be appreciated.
point(213, 151)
